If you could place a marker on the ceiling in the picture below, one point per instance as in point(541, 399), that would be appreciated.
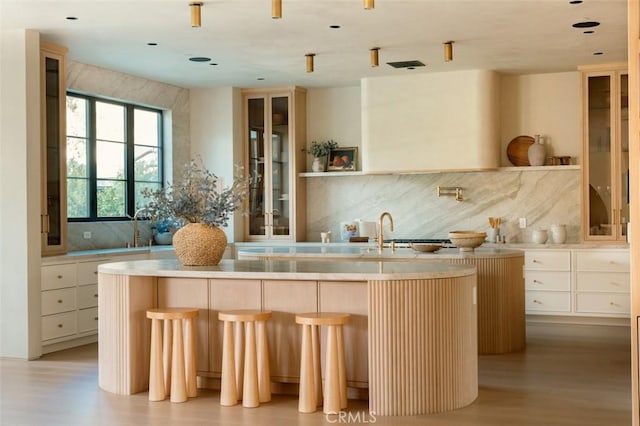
point(511, 36)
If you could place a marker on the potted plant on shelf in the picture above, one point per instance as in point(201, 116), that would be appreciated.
point(198, 205)
point(320, 151)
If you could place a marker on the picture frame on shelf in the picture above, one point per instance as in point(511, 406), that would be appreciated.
point(343, 159)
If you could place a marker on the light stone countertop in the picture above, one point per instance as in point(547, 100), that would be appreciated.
point(284, 270)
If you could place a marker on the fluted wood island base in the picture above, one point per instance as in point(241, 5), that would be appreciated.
point(418, 323)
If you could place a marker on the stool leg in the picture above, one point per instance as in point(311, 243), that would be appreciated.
point(239, 355)
point(166, 354)
point(264, 373)
point(307, 394)
point(156, 379)
point(228, 388)
point(178, 382)
point(331, 384)
point(342, 373)
point(190, 358)
point(250, 396)
point(317, 363)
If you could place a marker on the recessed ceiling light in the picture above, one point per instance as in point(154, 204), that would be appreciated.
point(152, 43)
point(71, 18)
point(260, 78)
point(589, 32)
point(199, 59)
point(598, 53)
point(586, 24)
point(410, 68)
point(575, 2)
point(213, 63)
point(335, 27)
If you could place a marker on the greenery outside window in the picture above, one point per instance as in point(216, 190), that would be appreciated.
point(114, 151)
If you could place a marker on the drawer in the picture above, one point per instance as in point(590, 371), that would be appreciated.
point(87, 296)
point(603, 303)
point(547, 301)
point(59, 325)
point(552, 260)
point(602, 260)
point(87, 320)
point(88, 272)
point(547, 280)
point(58, 276)
point(56, 301)
point(616, 282)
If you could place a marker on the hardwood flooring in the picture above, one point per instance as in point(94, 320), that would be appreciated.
point(568, 375)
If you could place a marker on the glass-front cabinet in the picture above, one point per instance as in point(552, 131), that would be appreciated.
point(53, 149)
point(606, 153)
point(274, 126)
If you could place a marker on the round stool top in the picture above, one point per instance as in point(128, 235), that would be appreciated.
point(322, 318)
point(244, 315)
point(172, 313)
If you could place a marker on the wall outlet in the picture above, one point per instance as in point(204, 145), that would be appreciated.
point(523, 222)
point(86, 235)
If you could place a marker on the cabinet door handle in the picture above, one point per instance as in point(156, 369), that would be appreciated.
point(537, 301)
point(536, 282)
point(614, 304)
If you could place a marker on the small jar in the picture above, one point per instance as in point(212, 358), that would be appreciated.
point(539, 236)
point(558, 234)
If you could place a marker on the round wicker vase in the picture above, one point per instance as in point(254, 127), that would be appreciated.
point(197, 244)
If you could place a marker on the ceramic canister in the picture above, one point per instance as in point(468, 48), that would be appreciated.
point(558, 234)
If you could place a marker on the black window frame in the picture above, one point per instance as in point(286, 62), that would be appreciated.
point(130, 107)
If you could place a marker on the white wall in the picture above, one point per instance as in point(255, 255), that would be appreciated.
point(544, 104)
point(217, 138)
point(20, 194)
point(334, 113)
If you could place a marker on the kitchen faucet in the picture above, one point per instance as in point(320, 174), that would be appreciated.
point(136, 232)
point(380, 231)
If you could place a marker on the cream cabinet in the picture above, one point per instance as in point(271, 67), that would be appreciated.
point(53, 149)
point(274, 138)
point(547, 281)
point(605, 153)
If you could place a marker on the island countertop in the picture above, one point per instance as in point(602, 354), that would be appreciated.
point(285, 270)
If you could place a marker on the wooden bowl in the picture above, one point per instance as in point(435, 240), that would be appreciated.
point(467, 240)
point(425, 247)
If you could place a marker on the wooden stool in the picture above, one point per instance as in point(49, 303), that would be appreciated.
point(172, 368)
point(335, 388)
point(254, 383)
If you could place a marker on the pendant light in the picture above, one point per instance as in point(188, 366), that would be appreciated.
point(369, 4)
point(310, 61)
point(375, 60)
point(196, 19)
point(276, 9)
point(448, 51)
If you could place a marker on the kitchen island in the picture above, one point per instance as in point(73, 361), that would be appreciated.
point(501, 289)
point(411, 340)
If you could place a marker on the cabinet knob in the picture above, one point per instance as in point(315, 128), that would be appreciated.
point(95, 272)
point(95, 318)
point(59, 325)
point(95, 295)
point(613, 304)
point(536, 282)
point(537, 301)
point(59, 300)
point(59, 277)
point(535, 261)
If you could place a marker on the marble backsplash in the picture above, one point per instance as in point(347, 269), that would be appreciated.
point(543, 197)
point(104, 235)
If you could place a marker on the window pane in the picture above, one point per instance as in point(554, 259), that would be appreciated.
point(110, 160)
point(77, 197)
point(139, 186)
point(110, 122)
point(146, 124)
point(76, 117)
point(111, 198)
point(77, 158)
point(146, 164)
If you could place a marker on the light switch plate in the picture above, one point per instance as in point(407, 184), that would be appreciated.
point(523, 222)
point(86, 235)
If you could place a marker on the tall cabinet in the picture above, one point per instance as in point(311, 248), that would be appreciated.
point(606, 153)
point(53, 149)
point(274, 138)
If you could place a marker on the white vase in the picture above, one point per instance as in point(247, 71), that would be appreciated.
point(537, 152)
point(539, 236)
point(319, 164)
point(558, 234)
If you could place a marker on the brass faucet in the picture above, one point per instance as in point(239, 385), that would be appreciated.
point(380, 231)
point(136, 232)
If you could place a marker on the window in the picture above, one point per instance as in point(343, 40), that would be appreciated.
point(114, 150)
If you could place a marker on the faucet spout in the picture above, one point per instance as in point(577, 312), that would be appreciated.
point(380, 228)
point(136, 232)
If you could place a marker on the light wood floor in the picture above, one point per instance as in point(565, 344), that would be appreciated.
point(568, 375)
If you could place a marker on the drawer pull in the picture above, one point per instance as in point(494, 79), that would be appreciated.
point(59, 325)
point(95, 318)
point(614, 304)
point(537, 282)
point(537, 301)
point(95, 295)
point(535, 261)
point(59, 277)
point(95, 272)
point(59, 300)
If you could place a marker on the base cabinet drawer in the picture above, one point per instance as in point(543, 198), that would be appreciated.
point(615, 282)
point(556, 260)
point(87, 320)
point(547, 281)
point(87, 296)
point(548, 301)
point(56, 301)
point(58, 276)
point(603, 260)
point(59, 325)
point(603, 303)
